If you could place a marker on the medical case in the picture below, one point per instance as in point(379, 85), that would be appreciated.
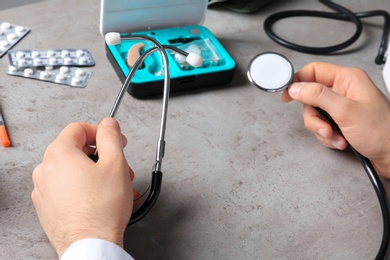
point(171, 22)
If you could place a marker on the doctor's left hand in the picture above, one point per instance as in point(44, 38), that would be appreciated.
point(76, 198)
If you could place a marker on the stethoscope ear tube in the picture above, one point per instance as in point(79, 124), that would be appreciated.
point(154, 192)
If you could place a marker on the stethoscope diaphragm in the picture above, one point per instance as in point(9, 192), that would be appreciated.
point(270, 71)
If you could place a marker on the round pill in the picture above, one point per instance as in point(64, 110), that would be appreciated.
point(44, 75)
point(12, 69)
point(28, 72)
point(83, 60)
point(51, 53)
point(76, 81)
point(4, 44)
point(37, 62)
point(53, 61)
point(80, 53)
point(6, 26)
point(20, 30)
point(64, 70)
point(79, 73)
point(68, 61)
point(60, 78)
point(20, 54)
point(22, 62)
point(35, 54)
point(65, 53)
point(12, 37)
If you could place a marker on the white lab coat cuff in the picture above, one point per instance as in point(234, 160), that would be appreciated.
point(96, 249)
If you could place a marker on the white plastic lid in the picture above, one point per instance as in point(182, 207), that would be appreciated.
point(135, 15)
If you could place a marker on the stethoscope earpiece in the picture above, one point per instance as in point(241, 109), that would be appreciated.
point(270, 71)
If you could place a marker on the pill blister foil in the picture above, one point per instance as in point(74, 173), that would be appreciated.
point(10, 34)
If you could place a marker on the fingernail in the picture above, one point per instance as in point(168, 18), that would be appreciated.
point(109, 121)
point(337, 144)
point(321, 132)
point(294, 89)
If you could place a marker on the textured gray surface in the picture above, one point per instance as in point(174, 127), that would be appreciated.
point(243, 178)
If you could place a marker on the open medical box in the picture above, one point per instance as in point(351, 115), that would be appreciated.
point(171, 22)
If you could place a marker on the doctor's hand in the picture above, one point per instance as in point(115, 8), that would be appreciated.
point(359, 108)
point(76, 198)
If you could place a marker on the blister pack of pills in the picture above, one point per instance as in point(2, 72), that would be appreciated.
point(10, 34)
point(50, 57)
point(70, 76)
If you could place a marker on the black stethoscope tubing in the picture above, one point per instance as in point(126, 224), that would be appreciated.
point(342, 14)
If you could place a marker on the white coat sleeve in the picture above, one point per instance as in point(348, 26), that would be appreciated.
point(96, 249)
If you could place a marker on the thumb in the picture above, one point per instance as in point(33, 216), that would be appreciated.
point(109, 140)
point(317, 95)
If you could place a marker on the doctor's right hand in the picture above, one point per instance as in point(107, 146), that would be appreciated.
point(350, 97)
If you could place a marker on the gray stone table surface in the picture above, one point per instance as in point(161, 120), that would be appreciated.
point(243, 178)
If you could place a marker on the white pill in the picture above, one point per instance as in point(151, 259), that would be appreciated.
point(75, 81)
point(65, 53)
point(83, 60)
point(11, 37)
point(80, 53)
point(28, 72)
point(6, 26)
point(51, 53)
point(37, 62)
point(53, 61)
point(35, 54)
point(68, 61)
point(22, 62)
point(20, 54)
point(79, 73)
point(12, 69)
point(20, 30)
point(64, 70)
point(44, 75)
point(60, 78)
point(4, 44)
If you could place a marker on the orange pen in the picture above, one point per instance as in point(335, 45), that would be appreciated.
point(3, 133)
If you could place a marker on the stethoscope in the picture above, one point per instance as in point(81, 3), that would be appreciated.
point(273, 72)
point(341, 13)
point(194, 60)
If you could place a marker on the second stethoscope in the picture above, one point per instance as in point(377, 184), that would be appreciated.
point(194, 60)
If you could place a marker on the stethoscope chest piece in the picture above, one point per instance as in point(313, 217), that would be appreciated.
point(270, 71)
